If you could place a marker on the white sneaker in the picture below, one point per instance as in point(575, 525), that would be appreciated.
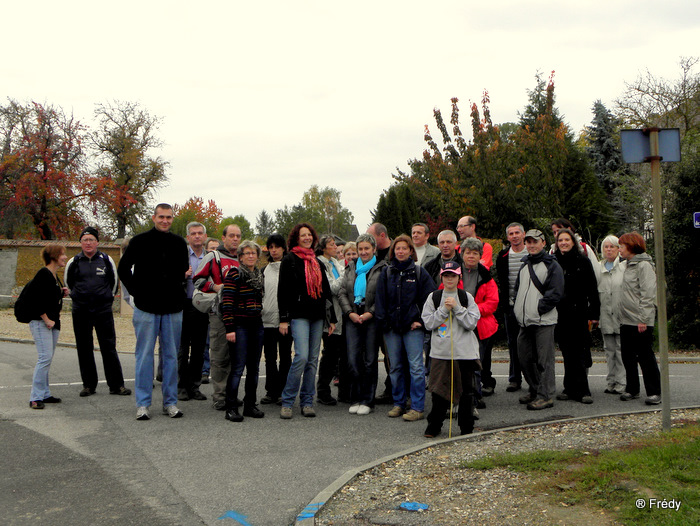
point(364, 410)
point(172, 411)
point(142, 413)
point(354, 408)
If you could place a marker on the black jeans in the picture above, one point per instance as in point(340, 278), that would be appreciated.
point(245, 353)
point(440, 407)
point(334, 360)
point(103, 323)
point(515, 374)
point(276, 377)
point(195, 327)
point(637, 349)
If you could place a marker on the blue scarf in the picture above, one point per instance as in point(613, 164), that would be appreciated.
point(361, 270)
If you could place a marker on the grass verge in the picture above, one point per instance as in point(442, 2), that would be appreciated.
point(662, 466)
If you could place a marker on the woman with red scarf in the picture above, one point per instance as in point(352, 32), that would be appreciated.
point(302, 296)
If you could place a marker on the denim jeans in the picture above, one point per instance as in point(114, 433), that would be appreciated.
point(45, 340)
point(307, 345)
point(412, 341)
point(148, 327)
point(363, 350)
point(244, 353)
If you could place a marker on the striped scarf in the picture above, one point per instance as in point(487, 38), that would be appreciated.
point(312, 271)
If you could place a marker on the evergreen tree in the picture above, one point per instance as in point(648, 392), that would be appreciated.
point(264, 225)
point(603, 148)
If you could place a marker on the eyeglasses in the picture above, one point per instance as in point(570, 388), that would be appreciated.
point(250, 254)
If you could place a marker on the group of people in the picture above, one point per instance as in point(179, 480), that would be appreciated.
point(430, 310)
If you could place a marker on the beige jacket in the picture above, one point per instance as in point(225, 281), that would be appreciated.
point(638, 301)
point(610, 293)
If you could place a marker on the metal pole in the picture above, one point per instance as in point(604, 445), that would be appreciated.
point(660, 277)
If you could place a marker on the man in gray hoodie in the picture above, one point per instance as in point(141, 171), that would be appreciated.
point(538, 289)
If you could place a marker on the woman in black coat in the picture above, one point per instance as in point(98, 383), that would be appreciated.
point(579, 308)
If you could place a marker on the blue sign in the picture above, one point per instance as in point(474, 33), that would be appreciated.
point(696, 219)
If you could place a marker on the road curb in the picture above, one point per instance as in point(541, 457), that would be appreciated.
point(310, 511)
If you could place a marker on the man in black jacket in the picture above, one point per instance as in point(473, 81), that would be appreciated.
point(154, 270)
point(91, 277)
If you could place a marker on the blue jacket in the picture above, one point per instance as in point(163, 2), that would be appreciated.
point(92, 282)
point(400, 296)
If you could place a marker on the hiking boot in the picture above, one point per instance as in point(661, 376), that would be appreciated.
point(587, 399)
point(219, 405)
point(396, 411)
point(233, 415)
point(326, 400)
point(142, 413)
point(526, 399)
point(308, 412)
point(87, 391)
point(540, 403)
point(653, 400)
point(562, 396)
point(626, 397)
point(512, 387)
point(413, 415)
point(253, 411)
point(183, 395)
point(172, 411)
point(196, 394)
point(122, 391)
point(286, 413)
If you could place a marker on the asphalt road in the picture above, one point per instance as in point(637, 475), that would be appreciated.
point(88, 460)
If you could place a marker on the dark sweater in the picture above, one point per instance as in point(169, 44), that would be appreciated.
point(157, 281)
point(48, 294)
point(241, 303)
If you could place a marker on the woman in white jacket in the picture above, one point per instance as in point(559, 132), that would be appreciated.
point(610, 292)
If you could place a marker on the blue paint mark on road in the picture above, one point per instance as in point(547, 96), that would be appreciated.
point(310, 511)
point(240, 519)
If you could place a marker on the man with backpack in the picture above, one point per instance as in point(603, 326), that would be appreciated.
point(539, 287)
point(91, 277)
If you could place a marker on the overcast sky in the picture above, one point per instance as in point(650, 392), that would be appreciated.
point(261, 100)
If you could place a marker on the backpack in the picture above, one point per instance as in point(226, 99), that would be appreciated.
point(207, 302)
point(24, 306)
point(461, 295)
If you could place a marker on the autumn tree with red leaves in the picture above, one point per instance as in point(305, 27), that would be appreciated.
point(195, 209)
point(45, 189)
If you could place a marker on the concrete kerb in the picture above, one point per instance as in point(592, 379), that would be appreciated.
point(310, 511)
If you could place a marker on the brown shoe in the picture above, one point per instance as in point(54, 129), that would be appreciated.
point(527, 398)
point(286, 413)
point(395, 412)
point(540, 403)
point(412, 415)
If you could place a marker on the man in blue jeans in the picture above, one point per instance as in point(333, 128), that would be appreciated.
point(154, 269)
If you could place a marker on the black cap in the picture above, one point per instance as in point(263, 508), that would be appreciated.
point(89, 230)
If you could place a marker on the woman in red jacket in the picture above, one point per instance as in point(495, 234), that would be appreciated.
point(478, 282)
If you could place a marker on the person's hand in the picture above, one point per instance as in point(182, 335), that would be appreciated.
point(231, 337)
point(415, 325)
point(331, 328)
point(284, 328)
point(189, 272)
point(641, 327)
point(450, 303)
point(65, 292)
point(355, 317)
point(49, 323)
point(218, 287)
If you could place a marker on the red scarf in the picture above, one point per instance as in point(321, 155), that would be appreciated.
point(312, 271)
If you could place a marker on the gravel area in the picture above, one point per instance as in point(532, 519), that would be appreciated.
point(462, 496)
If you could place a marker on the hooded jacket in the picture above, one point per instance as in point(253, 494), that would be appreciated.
point(452, 338)
point(638, 300)
point(486, 299)
point(533, 307)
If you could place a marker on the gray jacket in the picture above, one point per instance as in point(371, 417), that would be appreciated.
point(610, 293)
point(638, 301)
point(533, 307)
point(347, 295)
point(452, 339)
point(336, 288)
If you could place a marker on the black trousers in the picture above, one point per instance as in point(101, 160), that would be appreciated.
point(573, 338)
point(195, 327)
point(334, 360)
point(276, 376)
point(103, 323)
point(440, 405)
point(636, 349)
